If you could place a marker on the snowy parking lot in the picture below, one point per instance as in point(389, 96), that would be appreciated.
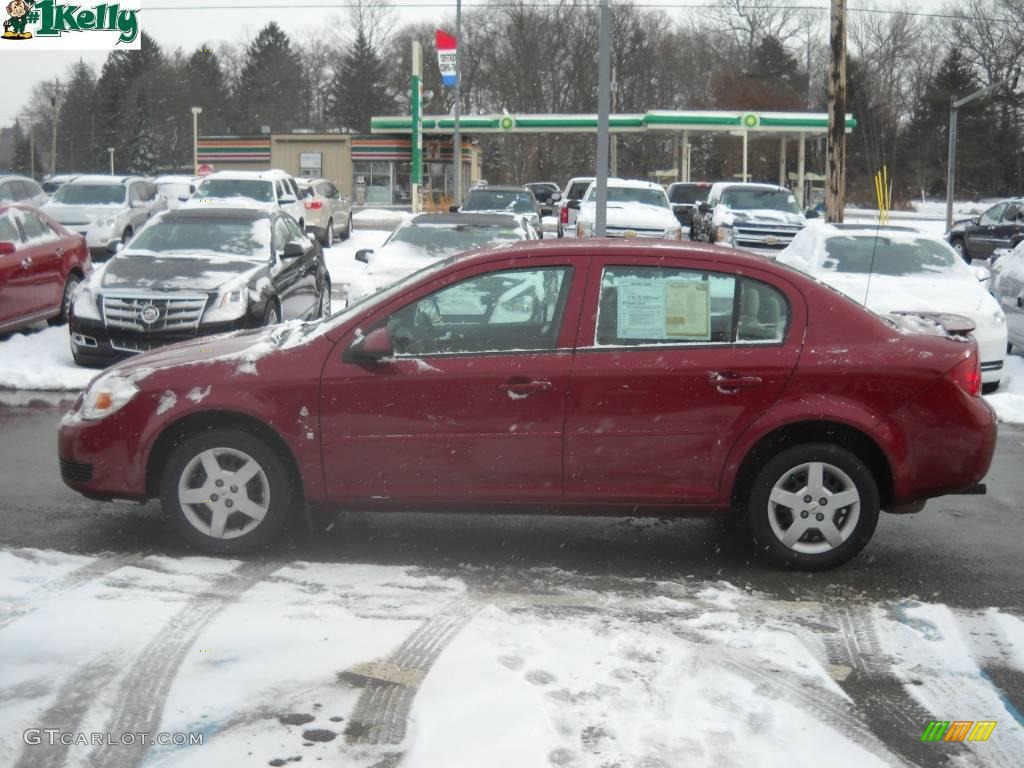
point(366, 665)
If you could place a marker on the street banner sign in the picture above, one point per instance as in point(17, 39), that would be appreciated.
point(446, 57)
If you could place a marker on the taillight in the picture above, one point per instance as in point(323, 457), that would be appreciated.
point(313, 205)
point(563, 216)
point(967, 374)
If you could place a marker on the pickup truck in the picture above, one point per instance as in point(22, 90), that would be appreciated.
point(761, 217)
point(569, 205)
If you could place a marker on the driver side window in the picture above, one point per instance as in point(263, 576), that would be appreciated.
point(514, 310)
point(993, 214)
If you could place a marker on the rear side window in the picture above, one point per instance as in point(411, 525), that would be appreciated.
point(9, 230)
point(32, 188)
point(7, 192)
point(578, 190)
point(642, 306)
point(35, 229)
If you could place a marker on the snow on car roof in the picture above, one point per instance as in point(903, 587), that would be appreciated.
point(253, 175)
point(481, 219)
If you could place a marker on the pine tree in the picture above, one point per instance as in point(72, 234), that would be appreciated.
point(76, 126)
point(358, 89)
point(142, 147)
point(21, 155)
point(270, 84)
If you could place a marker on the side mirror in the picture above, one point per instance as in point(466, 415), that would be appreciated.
point(7, 248)
point(114, 246)
point(183, 198)
point(981, 273)
point(370, 348)
point(811, 213)
point(574, 204)
point(704, 207)
point(555, 197)
point(287, 200)
point(363, 255)
point(293, 249)
point(453, 209)
point(975, 219)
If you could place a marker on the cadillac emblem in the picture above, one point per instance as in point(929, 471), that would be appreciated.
point(771, 240)
point(149, 314)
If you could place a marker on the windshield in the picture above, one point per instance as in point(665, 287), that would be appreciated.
point(248, 239)
point(251, 189)
point(888, 256)
point(760, 199)
point(641, 195)
point(444, 239)
point(688, 193)
point(494, 200)
point(90, 194)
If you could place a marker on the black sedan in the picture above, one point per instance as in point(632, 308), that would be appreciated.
point(196, 272)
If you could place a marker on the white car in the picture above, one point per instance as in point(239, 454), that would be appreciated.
point(21, 189)
point(898, 269)
point(1007, 285)
point(267, 190)
point(105, 208)
point(176, 189)
point(635, 209)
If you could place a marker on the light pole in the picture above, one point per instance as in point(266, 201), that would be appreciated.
point(457, 133)
point(55, 107)
point(954, 107)
point(111, 151)
point(196, 112)
point(604, 87)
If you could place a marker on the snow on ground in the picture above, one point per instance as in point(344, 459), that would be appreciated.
point(380, 218)
point(346, 272)
point(41, 360)
point(1008, 402)
point(353, 665)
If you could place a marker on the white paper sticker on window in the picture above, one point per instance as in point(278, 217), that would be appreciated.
point(641, 309)
point(687, 311)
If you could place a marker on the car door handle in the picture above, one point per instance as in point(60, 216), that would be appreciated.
point(726, 382)
point(525, 387)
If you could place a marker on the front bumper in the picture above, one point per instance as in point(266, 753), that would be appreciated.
point(93, 344)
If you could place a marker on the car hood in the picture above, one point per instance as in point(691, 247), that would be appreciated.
point(763, 216)
point(632, 215)
point(75, 214)
point(151, 272)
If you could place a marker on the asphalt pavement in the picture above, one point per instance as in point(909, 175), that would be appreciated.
point(965, 551)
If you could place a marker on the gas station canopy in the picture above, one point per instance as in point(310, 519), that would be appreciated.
point(752, 123)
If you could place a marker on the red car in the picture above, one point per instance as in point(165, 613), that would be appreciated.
point(41, 265)
point(586, 376)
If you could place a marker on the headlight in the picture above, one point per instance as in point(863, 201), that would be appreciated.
point(725, 235)
point(229, 305)
point(105, 222)
point(674, 233)
point(107, 395)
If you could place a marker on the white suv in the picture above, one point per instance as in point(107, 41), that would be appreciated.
point(105, 208)
point(635, 209)
point(268, 190)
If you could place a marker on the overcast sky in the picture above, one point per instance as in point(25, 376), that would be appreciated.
point(174, 24)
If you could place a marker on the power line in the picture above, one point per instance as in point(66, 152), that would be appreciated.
point(328, 6)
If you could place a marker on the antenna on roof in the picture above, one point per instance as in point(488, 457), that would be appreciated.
point(883, 193)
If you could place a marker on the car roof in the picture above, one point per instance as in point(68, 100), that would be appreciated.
point(98, 178)
point(18, 176)
point(173, 178)
point(481, 219)
point(689, 184)
point(747, 185)
point(499, 188)
point(541, 184)
point(217, 212)
point(253, 175)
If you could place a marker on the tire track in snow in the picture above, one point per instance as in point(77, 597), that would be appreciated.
point(69, 709)
point(97, 569)
point(381, 714)
point(143, 692)
point(882, 701)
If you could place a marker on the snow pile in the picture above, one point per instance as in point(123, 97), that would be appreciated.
point(380, 218)
point(348, 276)
point(1008, 402)
point(41, 360)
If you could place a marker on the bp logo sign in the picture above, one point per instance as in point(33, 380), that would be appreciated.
point(750, 120)
point(507, 123)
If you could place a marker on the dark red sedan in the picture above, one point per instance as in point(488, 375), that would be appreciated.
point(589, 376)
point(41, 265)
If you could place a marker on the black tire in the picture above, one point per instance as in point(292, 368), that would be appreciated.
point(328, 237)
point(811, 552)
point(73, 280)
point(274, 491)
point(961, 248)
point(348, 229)
point(273, 314)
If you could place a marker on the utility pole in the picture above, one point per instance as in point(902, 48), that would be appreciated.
point(196, 112)
point(110, 150)
point(457, 133)
point(614, 139)
point(603, 108)
point(835, 153)
point(32, 147)
point(416, 101)
point(55, 109)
